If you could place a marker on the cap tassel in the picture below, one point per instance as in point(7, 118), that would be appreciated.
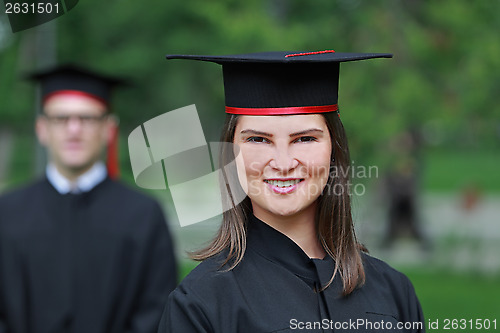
point(308, 53)
point(112, 160)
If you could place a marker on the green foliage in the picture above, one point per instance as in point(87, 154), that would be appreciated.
point(443, 79)
point(23, 159)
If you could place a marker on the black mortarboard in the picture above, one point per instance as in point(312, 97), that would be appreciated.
point(71, 78)
point(277, 83)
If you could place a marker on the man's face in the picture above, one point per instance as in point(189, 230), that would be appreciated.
point(75, 130)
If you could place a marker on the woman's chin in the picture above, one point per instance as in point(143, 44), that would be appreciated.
point(283, 211)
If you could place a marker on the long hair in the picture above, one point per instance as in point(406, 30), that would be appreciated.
point(333, 217)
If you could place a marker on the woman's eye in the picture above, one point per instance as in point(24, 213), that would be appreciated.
point(306, 139)
point(257, 139)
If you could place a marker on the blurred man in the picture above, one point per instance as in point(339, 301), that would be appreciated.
point(401, 189)
point(80, 252)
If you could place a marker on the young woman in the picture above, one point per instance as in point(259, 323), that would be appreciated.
point(286, 258)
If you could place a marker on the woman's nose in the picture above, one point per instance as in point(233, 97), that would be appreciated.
point(283, 160)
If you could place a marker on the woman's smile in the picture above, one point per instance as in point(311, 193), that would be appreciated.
point(283, 186)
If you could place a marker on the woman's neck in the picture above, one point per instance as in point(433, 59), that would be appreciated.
point(300, 228)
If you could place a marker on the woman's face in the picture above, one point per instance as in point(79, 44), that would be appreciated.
point(284, 162)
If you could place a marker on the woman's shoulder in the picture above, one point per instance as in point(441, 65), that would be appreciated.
point(376, 264)
point(191, 305)
point(208, 275)
point(390, 292)
point(380, 273)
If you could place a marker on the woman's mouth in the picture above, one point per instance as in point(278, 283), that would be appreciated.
point(283, 186)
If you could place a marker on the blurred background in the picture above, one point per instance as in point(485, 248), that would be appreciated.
point(428, 120)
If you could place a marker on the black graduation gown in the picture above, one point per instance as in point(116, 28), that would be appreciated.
point(97, 262)
point(272, 290)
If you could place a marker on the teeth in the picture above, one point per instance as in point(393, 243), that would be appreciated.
point(281, 183)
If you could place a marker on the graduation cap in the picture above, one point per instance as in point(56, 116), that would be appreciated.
point(69, 79)
point(279, 83)
point(72, 79)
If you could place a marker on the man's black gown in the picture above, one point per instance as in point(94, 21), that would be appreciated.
point(272, 290)
point(97, 262)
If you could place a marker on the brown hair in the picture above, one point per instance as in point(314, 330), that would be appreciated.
point(333, 217)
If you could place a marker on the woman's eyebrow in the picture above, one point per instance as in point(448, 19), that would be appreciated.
point(254, 132)
point(307, 131)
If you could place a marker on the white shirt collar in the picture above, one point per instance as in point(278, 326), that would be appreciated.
point(84, 183)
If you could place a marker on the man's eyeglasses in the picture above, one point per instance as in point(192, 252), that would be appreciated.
point(84, 120)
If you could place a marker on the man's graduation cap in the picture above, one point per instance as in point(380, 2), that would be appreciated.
point(78, 80)
point(70, 79)
point(279, 83)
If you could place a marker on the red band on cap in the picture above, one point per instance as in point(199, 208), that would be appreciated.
point(74, 93)
point(282, 111)
point(308, 53)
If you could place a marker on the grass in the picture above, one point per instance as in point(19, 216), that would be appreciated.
point(454, 170)
point(456, 295)
point(445, 295)
point(185, 267)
